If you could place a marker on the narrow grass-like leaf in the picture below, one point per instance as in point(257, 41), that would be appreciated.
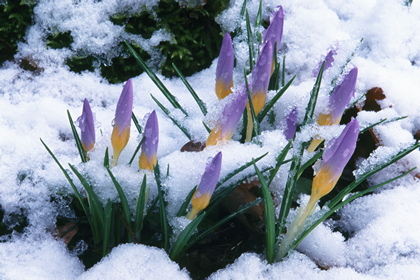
point(314, 96)
point(172, 99)
point(258, 19)
point(279, 161)
point(256, 124)
point(283, 72)
point(239, 169)
point(382, 121)
point(166, 111)
point(136, 123)
point(73, 186)
point(107, 227)
point(184, 237)
point(106, 158)
point(136, 151)
point(197, 99)
point(310, 162)
point(206, 127)
point(336, 200)
point(123, 200)
point(341, 204)
point(96, 207)
point(162, 210)
point(79, 146)
point(220, 222)
point(140, 207)
point(243, 9)
point(269, 220)
point(274, 100)
point(183, 209)
point(250, 43)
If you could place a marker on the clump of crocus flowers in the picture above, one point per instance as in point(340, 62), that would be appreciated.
point(208, 182)
point(335, 157)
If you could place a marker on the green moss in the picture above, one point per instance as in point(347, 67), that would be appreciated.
point(16, 17)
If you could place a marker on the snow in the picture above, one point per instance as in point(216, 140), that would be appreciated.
point(383, 241)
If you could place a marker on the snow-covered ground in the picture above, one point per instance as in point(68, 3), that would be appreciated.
point(385, 239)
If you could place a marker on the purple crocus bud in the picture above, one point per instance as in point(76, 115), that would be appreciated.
point(274, 31)
point(87, 127)
point(147, 159)
point(329, 59)
point(260, 75)
point(224, 70)
point(337, 103)
point(229, 119)
point(290, 123)
point(336, 155)
point(122, 121)
point(202, 195)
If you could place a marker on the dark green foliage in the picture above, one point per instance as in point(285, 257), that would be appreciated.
point(59, 40)
point(15, 17)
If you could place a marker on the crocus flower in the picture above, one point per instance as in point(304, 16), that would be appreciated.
point(260, 79)
point(336, 155)
point(147, 159)
point(227, 122)
point(202, 195)
point(274, 32)
point(122, 121)
point(224, 70)
point(338, 101)
point(87, 127)
point(290, 123)
point(329, 59)
point(260, 76)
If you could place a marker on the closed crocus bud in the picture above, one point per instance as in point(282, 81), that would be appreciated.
point(336, 155)
point(274, 32)
point(229, 119)
point(122, 121)
point(329, 59)
point(87, 127)
point(337, 103)
point(290, 123)
point(205, 189)
point(147, 159)
point(260, 77)
point(224, 70)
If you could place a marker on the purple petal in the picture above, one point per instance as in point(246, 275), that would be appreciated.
point(151, 136)
point(224, 70)
point(262, 71)
point(232, 112)
point(342, 94)
point(329, 59)
point(274, 31)
point(124, 107)
point(87, 126)
point(290, 124)
point(339, 151)
point(211, 176)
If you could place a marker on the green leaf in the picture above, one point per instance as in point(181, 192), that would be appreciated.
point(274, 100)
point(197, 99)
point(314, 96)
point(183, 209)
point(250, 43)
point(107, 227)
point(136, 151)
point(136, 123)
point(79, 145)
point(106, 158)
point(123, 199)
point(141, 204)
point(184, 237)
point(171, 98)
point(280, 161)
point(269, 218)
point(162, 210)
point(166, 111)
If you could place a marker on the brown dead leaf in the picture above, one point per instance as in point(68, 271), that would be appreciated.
point(66, 232)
